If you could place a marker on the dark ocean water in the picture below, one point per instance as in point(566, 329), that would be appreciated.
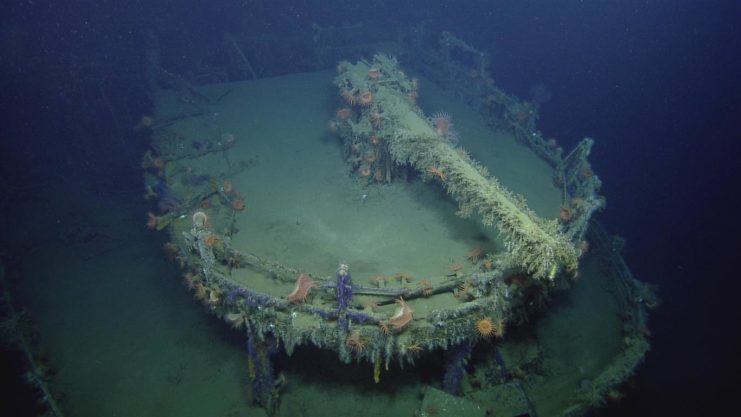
point(656, 83)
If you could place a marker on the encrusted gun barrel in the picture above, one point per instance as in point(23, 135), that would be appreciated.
point(535, 244)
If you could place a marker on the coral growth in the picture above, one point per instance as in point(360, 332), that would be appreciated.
point(300, 292)
point(455, 268)
point(426, 287)
point(475, 254)
point(443, 124)
point(463, 293)
point(402, 317)
point(415, 348)
point(437, 173)
point(355, 343)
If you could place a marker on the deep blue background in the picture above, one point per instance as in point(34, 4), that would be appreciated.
point(654, 82)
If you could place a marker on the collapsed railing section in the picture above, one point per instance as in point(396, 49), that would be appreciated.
point(579, 186)
point(463, 70)
point(15, 333)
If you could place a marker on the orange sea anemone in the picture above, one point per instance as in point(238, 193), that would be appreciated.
point(565, 214)
point(189, 280)
point(371, 158)
point(152, 221)
point(485, 328)
point(375, 140)
point(343, 113)
point(364, 170)
point(355, 343)
point(200, 291)
point(238, 204)
point(426, 287)
point(211, 239)
point(349, 97)
point(366, 98)
point(587, 173)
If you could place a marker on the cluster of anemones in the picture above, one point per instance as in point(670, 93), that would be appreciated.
point(363, 98)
